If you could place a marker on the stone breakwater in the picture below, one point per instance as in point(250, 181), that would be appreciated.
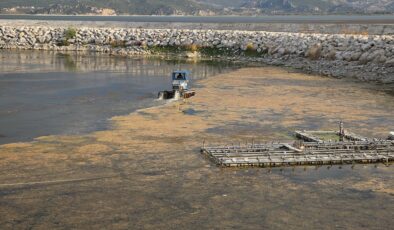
point(366, 57)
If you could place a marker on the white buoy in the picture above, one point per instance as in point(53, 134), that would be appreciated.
point(391, 136)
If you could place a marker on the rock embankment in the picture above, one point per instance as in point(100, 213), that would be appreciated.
point(367, 57)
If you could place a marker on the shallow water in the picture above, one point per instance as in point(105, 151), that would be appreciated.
point(46, 93)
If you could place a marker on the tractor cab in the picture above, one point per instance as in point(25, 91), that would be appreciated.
point(180, 86)
point(180, 80)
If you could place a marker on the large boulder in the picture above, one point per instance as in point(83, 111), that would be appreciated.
point(355, 56)
point(22, 41)
point(314, 52)
point(41, 39)
point(282, 51)
point(347, 56)
point(367, 46)
point(389, 63)
point(377, 56)
point(331, 55)
point(364, 58)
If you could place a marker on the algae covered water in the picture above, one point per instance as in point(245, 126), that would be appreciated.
point(145, 170)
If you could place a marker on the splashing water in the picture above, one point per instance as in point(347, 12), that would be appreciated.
point(161, 96)
point(177, 95)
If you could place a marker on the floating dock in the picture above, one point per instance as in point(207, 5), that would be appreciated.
point(312, 153)
point(309, 150)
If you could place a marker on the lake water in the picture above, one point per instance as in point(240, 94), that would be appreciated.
point(340, 19)
point(44, 93)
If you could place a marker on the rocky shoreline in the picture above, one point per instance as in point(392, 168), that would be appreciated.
point(365, 57)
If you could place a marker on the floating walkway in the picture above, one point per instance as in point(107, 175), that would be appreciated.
point(310, 150)
point(313, 153)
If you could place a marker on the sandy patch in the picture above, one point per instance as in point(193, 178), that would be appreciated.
point(94, 149)
point(376, 185)
point(16, 145)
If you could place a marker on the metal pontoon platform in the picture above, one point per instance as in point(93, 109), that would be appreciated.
point(311, 150)
point(284, 154)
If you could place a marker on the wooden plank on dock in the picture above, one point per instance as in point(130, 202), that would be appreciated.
point(288, 146)
point(306, 136)
point(354, 137)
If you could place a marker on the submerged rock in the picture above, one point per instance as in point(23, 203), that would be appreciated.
point(389, 63)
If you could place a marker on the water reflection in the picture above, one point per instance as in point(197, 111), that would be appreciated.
point(50, 61)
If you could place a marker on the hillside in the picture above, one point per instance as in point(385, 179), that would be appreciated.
point(139, 7)
point(196, 7)
point(319, 6)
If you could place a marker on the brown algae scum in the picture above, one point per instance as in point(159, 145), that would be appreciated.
point(146, 171)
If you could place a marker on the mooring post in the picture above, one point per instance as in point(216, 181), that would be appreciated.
point(341, 131)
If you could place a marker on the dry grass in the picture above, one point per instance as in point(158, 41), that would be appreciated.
point(192, 48)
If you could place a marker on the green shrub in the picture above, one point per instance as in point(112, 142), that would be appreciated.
point(249, 47)
point(70, 33)
point(250, 50)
